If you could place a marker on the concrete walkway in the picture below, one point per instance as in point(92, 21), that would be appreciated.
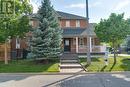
point(69, 64)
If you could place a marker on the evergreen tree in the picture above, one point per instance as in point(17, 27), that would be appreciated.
point(46, 40)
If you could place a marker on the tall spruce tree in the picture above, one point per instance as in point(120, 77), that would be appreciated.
point(46, 39)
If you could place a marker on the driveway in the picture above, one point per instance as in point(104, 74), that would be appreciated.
point(84, 80)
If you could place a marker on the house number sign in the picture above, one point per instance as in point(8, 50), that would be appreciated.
point(7, 8)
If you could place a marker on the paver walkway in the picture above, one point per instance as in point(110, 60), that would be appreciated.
point(69, 63)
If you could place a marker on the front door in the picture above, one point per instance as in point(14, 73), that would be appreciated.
point(67, 45)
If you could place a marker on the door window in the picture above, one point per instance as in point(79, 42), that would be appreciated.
point(67, 42)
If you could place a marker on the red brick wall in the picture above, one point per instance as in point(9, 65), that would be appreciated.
point(83, 23)
point(23, 44)
point(62, 23)
point(72, 23)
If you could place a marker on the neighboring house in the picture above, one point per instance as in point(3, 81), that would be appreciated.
point(75, 32)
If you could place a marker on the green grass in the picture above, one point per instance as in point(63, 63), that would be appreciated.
point(98, 65)
point(28, 66)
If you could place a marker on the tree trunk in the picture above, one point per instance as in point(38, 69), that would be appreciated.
point(6, 53)
point(114, 52)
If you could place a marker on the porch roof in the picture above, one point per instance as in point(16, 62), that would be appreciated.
point(79, 32)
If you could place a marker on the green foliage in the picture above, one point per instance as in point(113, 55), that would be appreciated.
point(98, 64)
point(17, 25)
point(128, 42)
point(113, 30)
point(46, 40)
point(26, 66)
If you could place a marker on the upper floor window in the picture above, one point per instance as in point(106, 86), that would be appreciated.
point(77, 23)
point(17, 43)
point(67, 23)
point(31, 23)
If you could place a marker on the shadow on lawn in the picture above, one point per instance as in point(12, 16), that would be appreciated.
point(112, 66)
point(103, 68)
point(125, 64)
point(96, 60)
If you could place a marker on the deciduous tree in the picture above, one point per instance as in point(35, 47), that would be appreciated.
point(113, 30)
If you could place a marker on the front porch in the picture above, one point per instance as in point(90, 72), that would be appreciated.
point(81, 40)
point(79, 45)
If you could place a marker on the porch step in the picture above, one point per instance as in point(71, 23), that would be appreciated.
point(69, 56)
point(69, 66)
point(68, 61)
point(72, 70)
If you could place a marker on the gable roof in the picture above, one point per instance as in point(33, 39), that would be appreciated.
point(64, 15)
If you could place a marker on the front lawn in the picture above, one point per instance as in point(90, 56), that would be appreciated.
point(98, 65)
point(28, 66)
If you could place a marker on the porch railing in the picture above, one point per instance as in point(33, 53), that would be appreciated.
point(94, 48)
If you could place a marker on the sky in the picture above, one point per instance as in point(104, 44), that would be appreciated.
point(97, 8)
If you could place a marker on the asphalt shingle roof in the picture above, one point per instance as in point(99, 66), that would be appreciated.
point(73, 32)
point(64, 15)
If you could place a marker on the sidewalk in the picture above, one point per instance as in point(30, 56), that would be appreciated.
point(59, 73)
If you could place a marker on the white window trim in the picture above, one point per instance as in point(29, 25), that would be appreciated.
point(67, 23)
point(77, 23)
point(31, 23)
point(17, 43)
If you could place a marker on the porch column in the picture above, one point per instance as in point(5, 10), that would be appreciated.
point(77, 49)
point(88, 50)
point(89, 44)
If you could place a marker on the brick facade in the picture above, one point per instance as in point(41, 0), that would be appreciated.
point(62, 22)
point(83, 23)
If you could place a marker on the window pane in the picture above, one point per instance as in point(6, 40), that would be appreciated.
point(77, 23)
point(67, 23)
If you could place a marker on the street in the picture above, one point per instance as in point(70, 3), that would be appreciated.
point(77, 80)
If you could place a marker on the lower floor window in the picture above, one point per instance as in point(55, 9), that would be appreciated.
point(81, 42)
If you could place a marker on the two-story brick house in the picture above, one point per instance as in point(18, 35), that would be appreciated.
point(75, 32)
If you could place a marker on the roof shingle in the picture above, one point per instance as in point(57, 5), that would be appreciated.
point(64, 15)
point(73, 32)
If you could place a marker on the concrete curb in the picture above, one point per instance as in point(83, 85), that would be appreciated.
point(82, 73)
